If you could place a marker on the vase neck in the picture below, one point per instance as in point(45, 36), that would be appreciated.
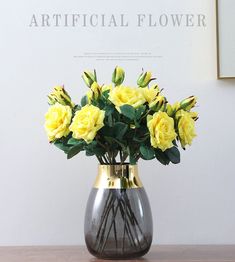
point(120, 176)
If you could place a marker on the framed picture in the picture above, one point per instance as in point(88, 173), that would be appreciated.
point(225, 22)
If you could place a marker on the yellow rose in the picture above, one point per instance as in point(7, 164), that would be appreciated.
point(58, 119)
point(161, 128)
point(194, 115)
point(186, 127)
point(124, 95)
point(150, 93)
point(87, 122)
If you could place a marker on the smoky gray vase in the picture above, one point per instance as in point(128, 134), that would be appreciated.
point(118, 220)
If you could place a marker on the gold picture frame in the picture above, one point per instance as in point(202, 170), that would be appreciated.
point(219, 75)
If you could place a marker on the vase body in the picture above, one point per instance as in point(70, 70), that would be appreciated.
point(118, 220)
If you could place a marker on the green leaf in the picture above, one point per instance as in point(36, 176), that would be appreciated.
point(84, 101)
point(110, 120)
point(162, 157)
point(105, 94)
point(62, 146)
point(119, 130)
point(94, 149)
point(89, 153)
point(106, 131)
point(173, 154)
point(132, 159)
point(94, 102)
point(131, 152)
point(75, 150)
point(139, 111)
point(114, 141)
point(109, 110)
point(141, 139)
point(73, 141)
point(147, 152)
point(92, 144)
point(130, 134)
point(116, 115)
point(128, 111)
point(137, 125)
point(100, 103)
point(99, 151)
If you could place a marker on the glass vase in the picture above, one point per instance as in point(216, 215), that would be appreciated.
point(118, 220)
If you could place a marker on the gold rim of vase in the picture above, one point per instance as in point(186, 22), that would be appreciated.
point(119, 176)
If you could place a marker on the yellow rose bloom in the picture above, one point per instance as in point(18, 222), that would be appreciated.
point(125, 95)
point(162, 132)
point(194, 115)
point(186, 127)
point(150, 93)
point(87, 122)
point(58, 119)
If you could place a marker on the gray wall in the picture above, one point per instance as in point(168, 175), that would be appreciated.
point(42, 195)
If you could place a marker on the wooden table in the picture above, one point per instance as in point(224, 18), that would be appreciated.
point(156, 254)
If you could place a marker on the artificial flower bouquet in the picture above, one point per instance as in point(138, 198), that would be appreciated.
point(118, 123)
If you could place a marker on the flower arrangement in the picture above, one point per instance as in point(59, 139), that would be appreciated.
point(117, 122)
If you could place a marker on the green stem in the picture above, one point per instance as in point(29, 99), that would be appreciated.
point(132, 223)
point(124, 233)
point(113, 158)
point(110, 227)
point(109, 157)
point(100, 159)
point(105, 213)
point(133, 217)
point(121, 159)
point(128, 228)
point(106, 160)
point(114, 229)
point(144, 116)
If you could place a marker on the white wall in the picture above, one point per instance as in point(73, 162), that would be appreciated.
point(42, 195)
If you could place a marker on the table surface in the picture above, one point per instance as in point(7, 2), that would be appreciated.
point(80, 254)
